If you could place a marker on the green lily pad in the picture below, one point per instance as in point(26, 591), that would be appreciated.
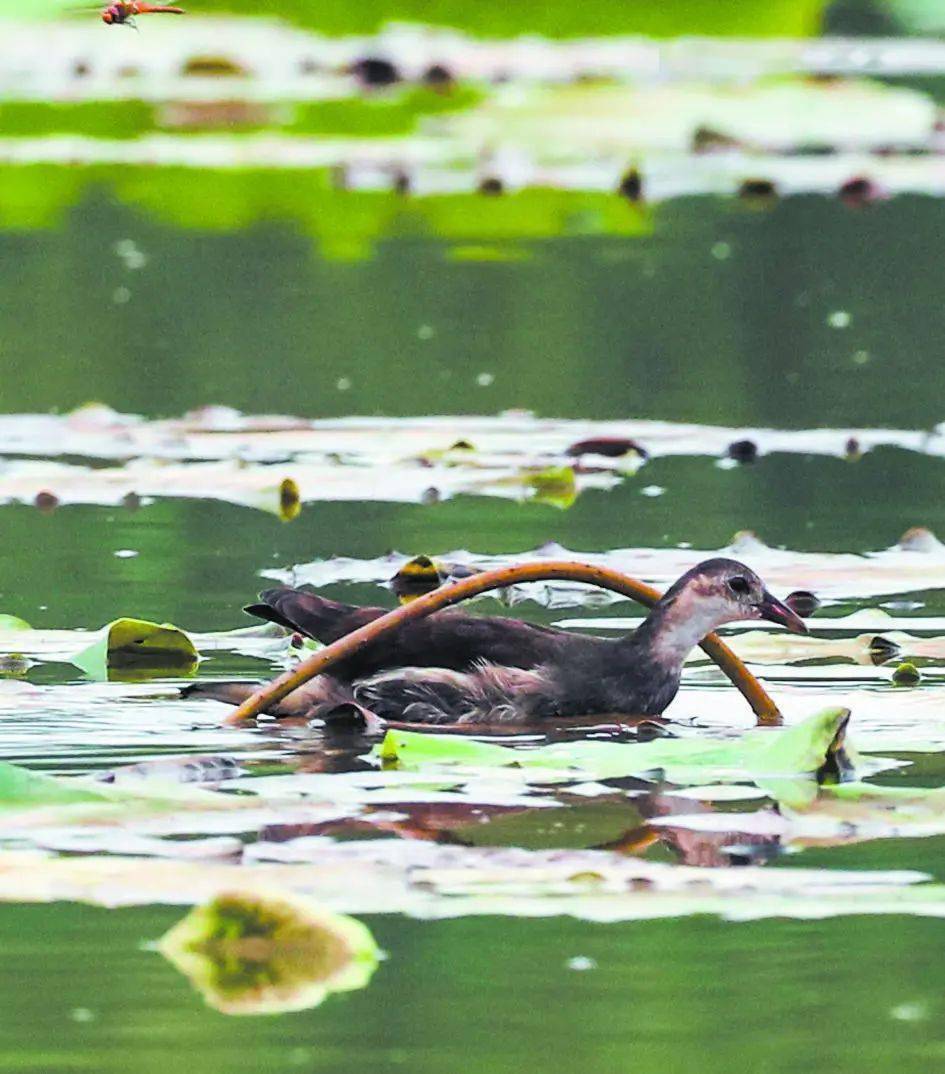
point(13, 622)
point(21, 788)
point(762, 753)
point(134, 643)
point(248, 952)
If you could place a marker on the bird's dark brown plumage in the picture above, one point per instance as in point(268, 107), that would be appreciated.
point(447, 639)
point(460, 668)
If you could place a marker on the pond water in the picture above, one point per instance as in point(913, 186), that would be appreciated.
point(805, 315)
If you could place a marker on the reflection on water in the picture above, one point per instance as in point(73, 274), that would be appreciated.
point(600, 327)
point(660, 996)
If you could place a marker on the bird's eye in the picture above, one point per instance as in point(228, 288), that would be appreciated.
point(739, 585)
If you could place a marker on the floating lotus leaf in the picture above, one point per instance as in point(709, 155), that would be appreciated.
point(135, 643)
point(425, 880)
point(21, 788)
point(250, 952)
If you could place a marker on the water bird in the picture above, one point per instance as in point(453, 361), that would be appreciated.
point(457, 668)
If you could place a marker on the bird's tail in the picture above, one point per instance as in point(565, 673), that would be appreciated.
point(310, 614)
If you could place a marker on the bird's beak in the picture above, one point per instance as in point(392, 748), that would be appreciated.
point(772, 609)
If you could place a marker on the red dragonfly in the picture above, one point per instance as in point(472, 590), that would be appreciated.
point(123, 12)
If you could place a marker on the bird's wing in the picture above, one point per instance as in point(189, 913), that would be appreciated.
point(446, 639)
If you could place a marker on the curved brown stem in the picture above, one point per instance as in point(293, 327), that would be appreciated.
point(317, 664)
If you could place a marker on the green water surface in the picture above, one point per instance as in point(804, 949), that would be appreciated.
point(592, 322)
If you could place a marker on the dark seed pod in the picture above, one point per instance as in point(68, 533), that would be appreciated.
point(757, 190)
point(374, 71)
point(46, 501)
point(813, 149)
point(631, 185)
point(803, 602)
point(883, 649)
point(906, 675)
point(611, 447)
point(857, 192)
point(437, 76)
point(743, 450)
point(709, 140)
point(491, 185)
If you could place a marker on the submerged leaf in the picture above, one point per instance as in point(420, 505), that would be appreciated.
point(251, 952)
point(831, 815)
point(130, 643)
point(554, 485)
point(762, 753)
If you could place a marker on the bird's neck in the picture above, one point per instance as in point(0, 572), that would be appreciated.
point(674, 628)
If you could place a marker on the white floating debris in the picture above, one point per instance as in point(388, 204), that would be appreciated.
point(910, 1012)
point(129, 253)
point(581, 964)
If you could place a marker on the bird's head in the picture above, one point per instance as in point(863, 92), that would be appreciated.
point(719, 591)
